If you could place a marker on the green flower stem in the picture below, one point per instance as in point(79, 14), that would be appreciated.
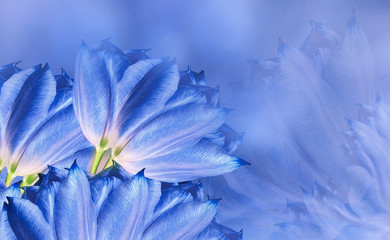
point(98, 157)
point(8, 179)
point(109, 162)
point(29, 179)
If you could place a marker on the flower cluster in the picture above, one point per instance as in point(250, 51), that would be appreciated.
point(163, 126)
point(110, 205)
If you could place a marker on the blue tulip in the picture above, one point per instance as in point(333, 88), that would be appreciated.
point(148, 115)
point(111, 205)
point(37, 122)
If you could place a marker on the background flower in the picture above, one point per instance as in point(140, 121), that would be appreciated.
point(318, 180)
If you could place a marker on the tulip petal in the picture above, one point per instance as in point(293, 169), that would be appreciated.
point(122, 214)
point(75, 219)
point(116, 63)
point(91, 94)
point(172, 130)
point(217, 231)
point(203, 159)
point(46, 203)
point(10, 91)
point(31, 193)
point(169, 199)
point(135, 55)
point(63, 80)
point(62, 100)
point(190, 77)
point(350, 71)
point(320, 37)
point(217, 138)
point(132, 76)
point(189, 220)
point(232, 138)
point(29, 109)
point(101, 188)
point(82, 157)
point(154, 190)
point(53, 175)
point(185, 95)
point(115, 170)
point(212, 94)
point(11, 191)
point(5, 229)
point(146, 99)
point(6, 71)
point(26, 220)
point(53, 142)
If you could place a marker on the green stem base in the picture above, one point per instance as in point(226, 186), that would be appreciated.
point(98, 157)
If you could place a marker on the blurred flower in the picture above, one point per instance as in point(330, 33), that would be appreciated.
point(110, 205)
point(335, 183)
point(135, 107)
point(38, 125)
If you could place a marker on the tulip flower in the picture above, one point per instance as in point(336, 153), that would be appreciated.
point(138, 111)
point(110, 205)
point(37, 122)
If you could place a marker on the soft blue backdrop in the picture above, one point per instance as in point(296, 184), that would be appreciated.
point(215, 35)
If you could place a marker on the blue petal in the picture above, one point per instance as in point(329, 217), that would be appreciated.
point(350, 71)
point(195, 189)
point(100, 189)
point(190, 77)
point(217, 138)
point(131, 77)
point(91, 94)
point(82, 157)
point(53, 175)
point(189, 220)
point(134, 55)
point(212, 94)
point(116, 63)
point(320, 37)
point(122, 215)
point(63, 80)
point(217, 231)
point(62, 100)
point(2, 183)
point(11, 191)
point(60, 137)
point(10, 91)
point(26, 220)
point(146, 99)
point(46, 203)
point(185, 95)
point(232, 138)
point(154, 189)
point(203, 159)
point(31, 193)
point(6, 71)
point(74, 214)
point(29, 109)
point(172, 130)
point(5, 229)
point(115, 170)
point(169, 199)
